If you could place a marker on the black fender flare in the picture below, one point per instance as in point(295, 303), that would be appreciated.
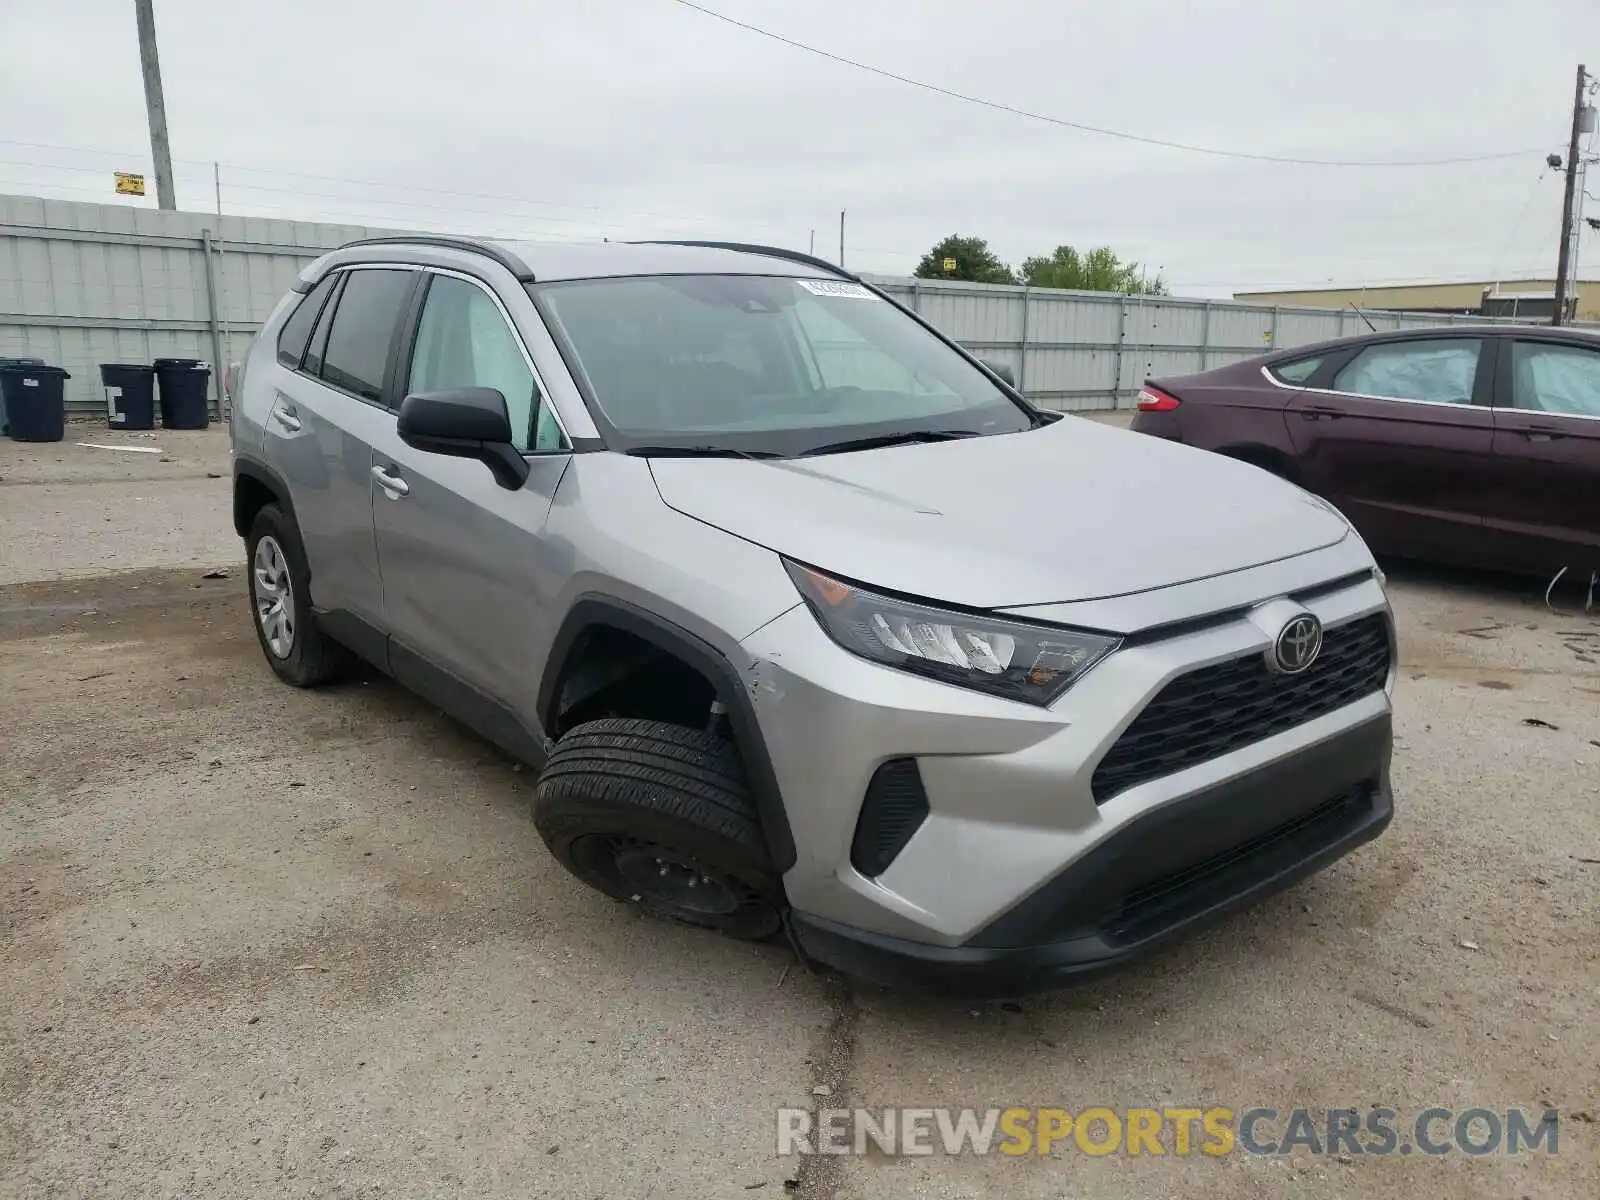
point(594, 611)
point(246, 467)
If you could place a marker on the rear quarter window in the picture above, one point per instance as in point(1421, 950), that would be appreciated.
point(1297, 370)
point(296, 331)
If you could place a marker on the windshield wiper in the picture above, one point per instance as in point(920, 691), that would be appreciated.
point(891, 439)
point(700, 452)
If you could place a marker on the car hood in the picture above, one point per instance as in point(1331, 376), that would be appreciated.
point(1072, 511)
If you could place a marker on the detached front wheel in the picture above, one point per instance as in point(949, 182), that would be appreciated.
point(660, 815)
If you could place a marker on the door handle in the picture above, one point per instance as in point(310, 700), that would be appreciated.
point(285, 417)
point(1317, 412)
point(391, 484)
point(1542, 433)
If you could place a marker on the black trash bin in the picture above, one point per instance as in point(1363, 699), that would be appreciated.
point(130, 395)
point(183, 383)
point(13, 362)
point(35, 407)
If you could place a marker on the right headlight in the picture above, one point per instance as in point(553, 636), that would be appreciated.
point(1033, 663)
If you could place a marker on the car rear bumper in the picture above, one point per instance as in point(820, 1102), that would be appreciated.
point(1161, 877)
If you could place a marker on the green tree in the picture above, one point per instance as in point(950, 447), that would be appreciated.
point(974, 262)
point(1100, 270)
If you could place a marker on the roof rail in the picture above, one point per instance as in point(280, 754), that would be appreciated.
point(500, 254)
point(809, 260)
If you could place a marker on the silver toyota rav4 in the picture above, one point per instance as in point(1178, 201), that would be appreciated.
point(811, 622)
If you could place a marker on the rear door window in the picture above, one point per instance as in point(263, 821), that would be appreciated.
point(363, 330)
point(1551, 378)
point(296, 332)
point(1440, 371)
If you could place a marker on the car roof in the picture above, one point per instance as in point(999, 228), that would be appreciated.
point(545, 262)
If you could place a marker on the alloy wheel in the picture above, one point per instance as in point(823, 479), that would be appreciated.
point(273, 593)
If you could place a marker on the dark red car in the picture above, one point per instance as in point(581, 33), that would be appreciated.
point(1476, 445)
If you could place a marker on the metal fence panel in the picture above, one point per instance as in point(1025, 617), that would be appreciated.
point(1059, 317)
point(83, 284)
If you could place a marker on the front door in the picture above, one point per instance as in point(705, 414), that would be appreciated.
point(469, 577)
point(1546, 512)
point(1396, 439)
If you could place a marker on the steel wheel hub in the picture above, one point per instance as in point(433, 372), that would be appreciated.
point(273, 593)
point(673, 881)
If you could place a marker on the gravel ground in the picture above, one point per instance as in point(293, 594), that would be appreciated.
point(262, 942)
point(68, 510)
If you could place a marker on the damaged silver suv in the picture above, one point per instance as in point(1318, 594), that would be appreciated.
point(810, 622)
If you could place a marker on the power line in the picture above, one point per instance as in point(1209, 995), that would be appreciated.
point(411, 187)
point(1522, 213)
point(1097, 129)
point(234, 188)
point(353, 214)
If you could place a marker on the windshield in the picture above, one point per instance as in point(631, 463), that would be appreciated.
point(765, 365)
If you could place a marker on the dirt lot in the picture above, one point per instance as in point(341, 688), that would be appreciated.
point(265, 942)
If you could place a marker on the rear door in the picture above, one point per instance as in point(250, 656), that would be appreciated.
point(321, 427)
point(1399, 435)
point(1545, 510)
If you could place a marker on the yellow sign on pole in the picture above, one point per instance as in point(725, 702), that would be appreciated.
point(949, 266)
point(128, 185)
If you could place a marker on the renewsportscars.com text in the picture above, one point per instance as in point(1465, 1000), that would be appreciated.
point(1213, 1131)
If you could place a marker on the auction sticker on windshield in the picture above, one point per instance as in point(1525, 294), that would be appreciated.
point(832, 287)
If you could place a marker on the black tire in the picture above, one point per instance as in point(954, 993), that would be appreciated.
point(313, 657)
point(637, 809)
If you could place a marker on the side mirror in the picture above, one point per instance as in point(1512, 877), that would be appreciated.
point(1001, 371)
point(465, 423)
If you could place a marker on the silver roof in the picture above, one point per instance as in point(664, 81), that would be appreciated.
point(572, 260)
point(551, 261)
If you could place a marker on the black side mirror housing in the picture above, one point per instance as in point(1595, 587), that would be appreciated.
point(1001, 371)
point(465, 423)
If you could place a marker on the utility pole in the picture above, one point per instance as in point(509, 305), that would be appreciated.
point(1564, 259)
point(216, 178)
point(155, 107)
point(841, 237)
point(813, 250)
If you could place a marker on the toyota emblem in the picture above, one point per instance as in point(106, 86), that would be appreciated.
point(1297, 645)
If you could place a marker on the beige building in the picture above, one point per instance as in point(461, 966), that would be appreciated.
point(1533, 298)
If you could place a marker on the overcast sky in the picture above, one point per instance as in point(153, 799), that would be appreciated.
point(637, 118)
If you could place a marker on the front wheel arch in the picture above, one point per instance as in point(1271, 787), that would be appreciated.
point(589, 613)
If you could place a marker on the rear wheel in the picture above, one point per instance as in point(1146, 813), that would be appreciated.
point(660, 815)
point(280, 603)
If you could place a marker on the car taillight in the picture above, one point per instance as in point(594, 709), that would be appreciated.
point(1153, 399)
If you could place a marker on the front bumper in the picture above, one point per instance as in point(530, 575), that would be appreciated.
point(1159, 877)
point(1010, 794)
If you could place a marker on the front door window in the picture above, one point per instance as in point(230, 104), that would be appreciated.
point(464, 341)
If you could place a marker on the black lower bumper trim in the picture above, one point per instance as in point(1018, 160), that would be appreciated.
point(1154, 881)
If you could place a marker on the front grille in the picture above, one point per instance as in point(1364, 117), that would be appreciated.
point(1164, 901)
point(1213, 711)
